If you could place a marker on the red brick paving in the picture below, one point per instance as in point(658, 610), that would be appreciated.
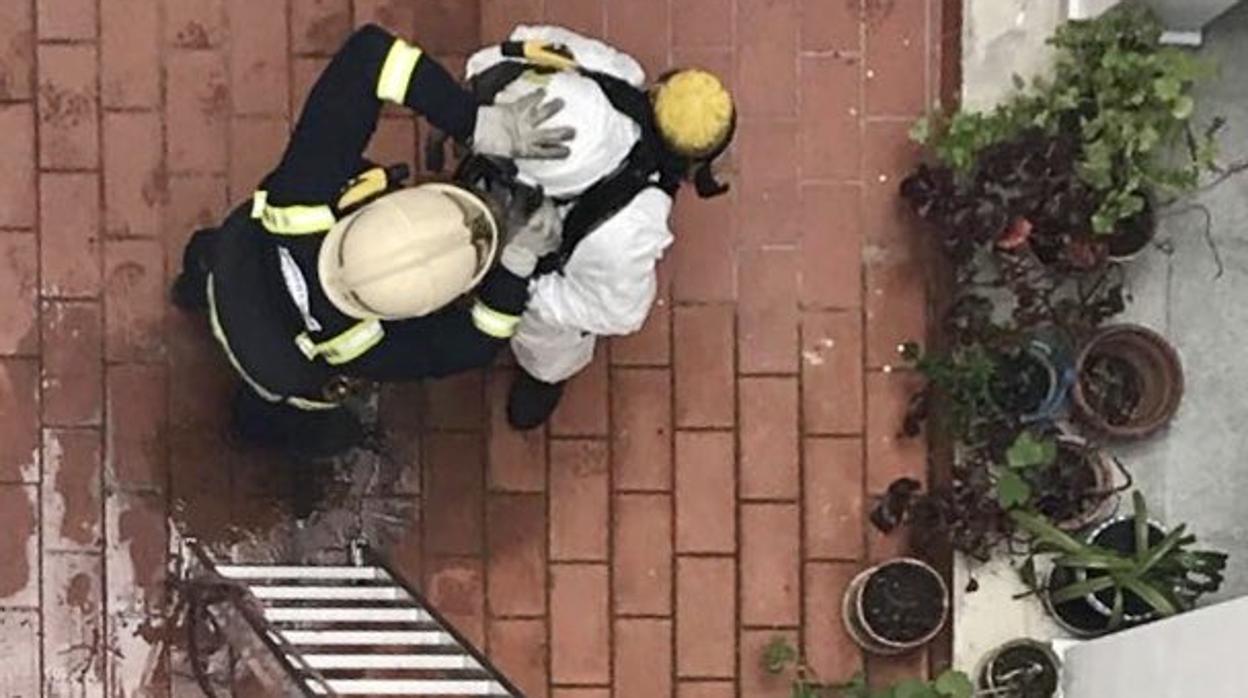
point(702, 488)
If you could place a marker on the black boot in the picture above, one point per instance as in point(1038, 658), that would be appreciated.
point(190, 289)
point(189, 293)
point(531, 401)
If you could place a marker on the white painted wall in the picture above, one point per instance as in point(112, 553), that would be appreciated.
point(1195, 655)
point(1083, 9)
point(1188, 15)
point(1003, 38)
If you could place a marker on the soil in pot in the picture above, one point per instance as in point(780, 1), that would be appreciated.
point(1076, 614)
point(903, 602)
point(1021, 383)
point(1112, 387)
point(1026, 669)
point(1130, 382)
point(1133, 235)
point(1070, 488)
point(1120, 536)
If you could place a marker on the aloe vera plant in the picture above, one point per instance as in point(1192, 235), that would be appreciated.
point(1168, 576)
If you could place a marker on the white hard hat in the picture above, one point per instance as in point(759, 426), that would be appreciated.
point(408, 253)
point(603, 136)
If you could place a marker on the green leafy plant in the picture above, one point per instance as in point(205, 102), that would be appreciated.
point(963, 379)
point(1029, 451)
point(780, 656)
point(1167, 576)
point(1126, 97)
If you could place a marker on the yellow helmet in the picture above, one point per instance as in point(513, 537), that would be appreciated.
point(408, 253)
point(694, 113)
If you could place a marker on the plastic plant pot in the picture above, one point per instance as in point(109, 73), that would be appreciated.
point(896, 606)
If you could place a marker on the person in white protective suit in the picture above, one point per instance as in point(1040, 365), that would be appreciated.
point(634, 147)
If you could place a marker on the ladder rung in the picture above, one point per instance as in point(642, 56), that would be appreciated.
point(315, 593)
point(400, 687)
point(366, 637)
point(389, 661)
point(300, 572)
point(286, 614)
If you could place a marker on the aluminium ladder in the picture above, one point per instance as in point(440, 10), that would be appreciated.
point(350, 630)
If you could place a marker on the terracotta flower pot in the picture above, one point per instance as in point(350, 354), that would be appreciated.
point(1144, 370)
point(896, 606)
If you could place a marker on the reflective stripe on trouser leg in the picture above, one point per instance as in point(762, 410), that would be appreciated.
point(219, 332)
point(396, 72)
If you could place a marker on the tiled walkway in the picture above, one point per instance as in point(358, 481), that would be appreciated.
point(700, 491)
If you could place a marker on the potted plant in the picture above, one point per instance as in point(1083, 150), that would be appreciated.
point(1028, 382)
point(1129, 382)
point(780, 656)
point(1128, 571)
point(1058, 475)
point(1019, 195)
point(896, 606)
point(981, 382)
point(964, 514)
point(1020, 669)
point(1061, 477)
point(1070, 165)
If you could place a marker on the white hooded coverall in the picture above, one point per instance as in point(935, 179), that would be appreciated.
point(608, 283)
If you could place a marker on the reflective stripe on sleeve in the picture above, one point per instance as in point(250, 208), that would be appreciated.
point(396, 72)
point(492, 322)
point(291, 220)
point(345, 347)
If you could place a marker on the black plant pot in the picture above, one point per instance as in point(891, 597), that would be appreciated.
point(1089, 616)
point(1133, 234)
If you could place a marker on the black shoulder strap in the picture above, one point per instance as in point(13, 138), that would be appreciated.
point(598, 203)
point(611, 194)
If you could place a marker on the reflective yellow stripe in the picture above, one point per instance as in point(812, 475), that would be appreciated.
point(291, 220)
point(492, 322)
point(367, 184)
point(396, 72)
point(549, 55)
point(347, 346)
point(219, 332)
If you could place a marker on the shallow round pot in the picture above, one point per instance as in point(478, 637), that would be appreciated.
point(854, 617)
point(986, 673)
point(1160, 372)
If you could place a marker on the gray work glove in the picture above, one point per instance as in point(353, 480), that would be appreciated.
point(514, 130)
point(540, 235)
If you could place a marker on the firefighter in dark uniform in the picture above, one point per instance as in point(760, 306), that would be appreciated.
point(334, 274)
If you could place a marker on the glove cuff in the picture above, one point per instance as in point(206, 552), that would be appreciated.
point(519, 261)
point(489, 137)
